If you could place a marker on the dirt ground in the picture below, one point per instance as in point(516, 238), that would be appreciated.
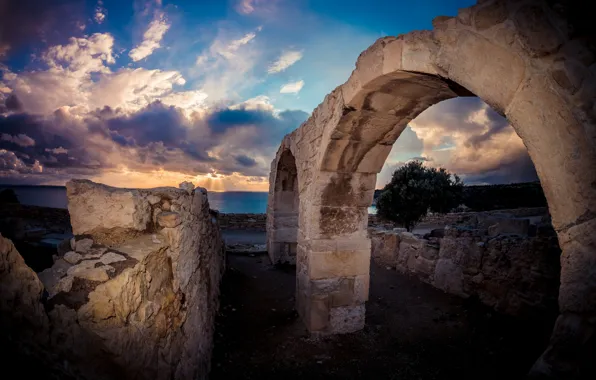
point(413, 331)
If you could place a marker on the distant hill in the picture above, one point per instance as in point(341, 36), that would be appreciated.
point(495, 197)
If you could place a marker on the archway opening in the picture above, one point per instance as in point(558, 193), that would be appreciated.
point(497, 244)
point(283, 236)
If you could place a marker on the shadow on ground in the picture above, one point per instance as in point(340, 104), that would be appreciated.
point(413, 331)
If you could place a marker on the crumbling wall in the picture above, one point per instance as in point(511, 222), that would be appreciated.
point(135, 293)
point(508, 263)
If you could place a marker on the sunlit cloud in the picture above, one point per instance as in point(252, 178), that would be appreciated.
point(286, 60)
point(292, 87)
point(227, 65)
point(21, 139)
point(151, 38)
point(465, 136)
point(100, 13)
point(247, 7)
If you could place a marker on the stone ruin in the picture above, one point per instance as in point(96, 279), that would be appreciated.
point(532, 61)
point(133, 295)
point(510, 264)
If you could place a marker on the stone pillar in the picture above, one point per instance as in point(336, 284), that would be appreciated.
point(333, 258)
point(572, 347)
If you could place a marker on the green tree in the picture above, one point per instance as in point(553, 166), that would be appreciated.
point(414, 190)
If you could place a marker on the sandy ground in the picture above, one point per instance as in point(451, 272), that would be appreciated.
point(413, 331)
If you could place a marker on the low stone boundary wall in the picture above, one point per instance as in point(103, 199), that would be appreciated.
point(509, 264)
point(133, 295)
point(230, 221)
point(463, 217)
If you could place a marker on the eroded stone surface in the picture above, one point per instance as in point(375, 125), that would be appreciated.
point(126, 307)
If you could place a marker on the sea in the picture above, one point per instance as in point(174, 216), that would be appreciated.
point(240, 202)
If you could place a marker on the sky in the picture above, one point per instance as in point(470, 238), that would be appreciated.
point(148, 93)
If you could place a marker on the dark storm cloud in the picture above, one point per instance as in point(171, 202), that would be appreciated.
point(13, 103)
point(222, 120)
point(29, 21)
point(518, 169)
point(155, 137)
point(245, 161)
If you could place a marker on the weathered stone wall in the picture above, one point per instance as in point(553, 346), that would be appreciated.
point(233, 221)
point(509, 264)
point(135, 293)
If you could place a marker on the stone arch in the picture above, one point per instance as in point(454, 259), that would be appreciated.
point(527, 62)
point(282, 231)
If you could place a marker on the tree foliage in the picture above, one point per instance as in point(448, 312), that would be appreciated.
point(8, 196)
point(414, 190)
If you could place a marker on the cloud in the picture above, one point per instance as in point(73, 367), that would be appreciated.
point(79, 78)
point(20, 139)
point(226, 67)
point(245, 161)
point(151, 38)
point(292, 87)
point(100, 13)
point(286, 60)
point(33, 21)
point(467, 137)
point(9, 162)
point(158, 137)
point(247, 7)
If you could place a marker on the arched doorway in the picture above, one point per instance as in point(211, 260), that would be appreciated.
point(522, 59)
point(282, 233)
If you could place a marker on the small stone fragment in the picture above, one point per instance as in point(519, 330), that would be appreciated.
point(91, 274)
point(169, 219)
point(188, 186)
point(72, 257)
point(83, 245)
point(111, 257)
point(155, 240)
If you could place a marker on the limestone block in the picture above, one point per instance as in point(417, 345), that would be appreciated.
point(337, 222)
point(169, 219)
point(93, 206)
point(338, 264)
point(536, 32)
point(449, 277)
point(369, 65)
point(374, 159)
point(392, 55)
point(489, 71)
point(361, 288)
point(417, 52)
point(557, 143)
point(347, 319)
point(318, 313)
point(490, 15)
point(385, 247)
point(578, 268)
point(344, 189)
